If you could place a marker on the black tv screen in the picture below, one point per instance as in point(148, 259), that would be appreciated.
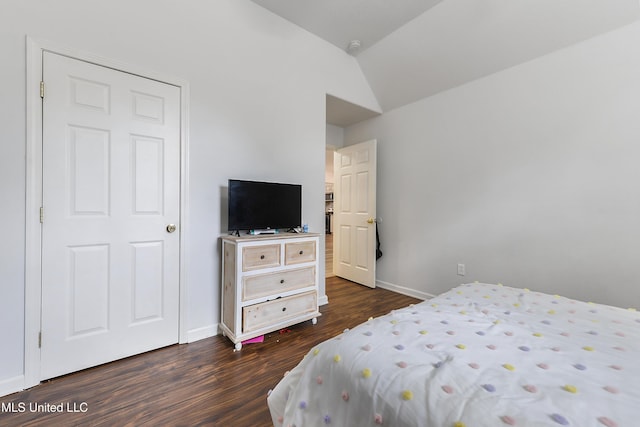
point(255, 205)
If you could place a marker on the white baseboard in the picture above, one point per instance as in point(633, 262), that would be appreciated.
point(404, 290)
point(202, 333)
point(11, 385)
point(322, 300)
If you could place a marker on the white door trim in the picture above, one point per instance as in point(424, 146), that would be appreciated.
point(33, 260)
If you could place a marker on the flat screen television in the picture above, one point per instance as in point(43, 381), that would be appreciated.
point(255, 205)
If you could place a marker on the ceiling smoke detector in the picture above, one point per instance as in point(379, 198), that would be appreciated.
point(353, 47)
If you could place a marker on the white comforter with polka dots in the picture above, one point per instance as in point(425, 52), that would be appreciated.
point(478, 355)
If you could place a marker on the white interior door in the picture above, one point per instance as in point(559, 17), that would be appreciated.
point(354, 212)
point(111, 186)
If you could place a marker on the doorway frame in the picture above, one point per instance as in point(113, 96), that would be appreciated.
point(33, 197)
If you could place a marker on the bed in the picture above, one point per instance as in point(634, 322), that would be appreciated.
point(477, 355)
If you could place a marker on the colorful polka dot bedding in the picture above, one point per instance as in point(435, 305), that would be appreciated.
point(479, 355)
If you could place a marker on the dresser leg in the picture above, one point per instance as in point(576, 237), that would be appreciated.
point(314, 320)
point(238, 346)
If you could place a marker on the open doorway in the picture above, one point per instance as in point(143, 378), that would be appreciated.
point(328, 211)
point(340, 114)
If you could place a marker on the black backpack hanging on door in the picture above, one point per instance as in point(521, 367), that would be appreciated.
point(378, 251)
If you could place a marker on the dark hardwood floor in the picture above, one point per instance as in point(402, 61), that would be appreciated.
point(204, 383)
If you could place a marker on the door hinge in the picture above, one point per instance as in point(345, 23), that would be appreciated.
point(41, 214)
point(42, 89)
point(40, 339)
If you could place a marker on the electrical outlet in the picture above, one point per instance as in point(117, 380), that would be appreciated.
point(461, 270)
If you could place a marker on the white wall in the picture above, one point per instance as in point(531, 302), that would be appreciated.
point(335, 136)
point(257, 111)
point(530, 177)
point(335, 140)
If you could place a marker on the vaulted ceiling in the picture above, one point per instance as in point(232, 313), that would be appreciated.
point(412, 49)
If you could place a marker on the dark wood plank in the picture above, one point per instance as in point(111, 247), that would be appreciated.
point(204, 383)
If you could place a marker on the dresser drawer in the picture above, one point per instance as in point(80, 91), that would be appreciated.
point(257, 257)
point(299, 252)
point(279, 310)
point(274, 283)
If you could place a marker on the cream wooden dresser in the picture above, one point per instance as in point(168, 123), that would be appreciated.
point(269, 282)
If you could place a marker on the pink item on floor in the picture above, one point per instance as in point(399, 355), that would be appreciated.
point(253, 340)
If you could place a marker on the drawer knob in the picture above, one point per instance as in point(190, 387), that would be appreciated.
point(281, 280)
point(301, 252)
point(284, 308)
point(261, 256)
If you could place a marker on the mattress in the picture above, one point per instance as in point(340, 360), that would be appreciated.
point(477, 355)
